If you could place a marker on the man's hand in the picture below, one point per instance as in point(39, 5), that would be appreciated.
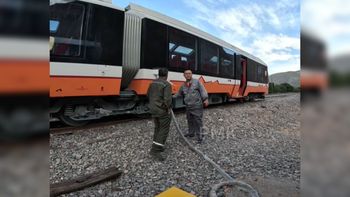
point(206, 103)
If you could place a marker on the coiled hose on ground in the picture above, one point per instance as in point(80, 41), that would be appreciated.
point(230, 181)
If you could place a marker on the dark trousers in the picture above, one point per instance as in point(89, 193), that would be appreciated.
point(161, 131)
point(195, 121)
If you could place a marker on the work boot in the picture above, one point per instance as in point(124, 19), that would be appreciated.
point(156, 148)
point(157, 156)
point(199, 139)
point(189, 135)
point(162, 149)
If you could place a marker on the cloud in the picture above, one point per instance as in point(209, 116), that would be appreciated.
point(332, 25)
point(237, 21)
point(273, 42)
point(198, 6)
point(246, 17)
point(260, 29)
point(291, 65)
point(286, 4)
point(273, 18)
point(280, 52)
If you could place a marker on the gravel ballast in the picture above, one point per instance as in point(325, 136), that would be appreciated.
point(253, 139)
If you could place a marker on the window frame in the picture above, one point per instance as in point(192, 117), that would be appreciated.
point(24, 19)
point(251, 70)
point(87, 20)
point(195, 51)
point(197, 67)
point(221, 57)
point(144, 38)
point(238, 66)
point(106, 60)
point(200, 65)
point(84, 24)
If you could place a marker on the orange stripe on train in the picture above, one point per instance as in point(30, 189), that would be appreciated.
point(256, 89)
point(24, 76)
point(62, 86)
point(140, 86)
point(314, 80)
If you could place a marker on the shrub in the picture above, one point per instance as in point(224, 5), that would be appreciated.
point(282, 88)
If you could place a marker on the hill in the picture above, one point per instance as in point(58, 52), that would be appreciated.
point(291, 77)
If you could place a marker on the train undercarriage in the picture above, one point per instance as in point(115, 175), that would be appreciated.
point(80, 111)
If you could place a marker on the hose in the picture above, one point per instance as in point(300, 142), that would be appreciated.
point(230, 181)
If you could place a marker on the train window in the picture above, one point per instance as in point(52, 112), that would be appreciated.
point(251, 71)
point(154, 44)
point(238, 66)
point(265, 75)
point(66, 26)
point(313, 50)
point(255, 72)
point(208, 58)
point(104, 40)
point(54, 26)
point(182, 50)
point(226, 68)
point(260, 74)
point(24, 18)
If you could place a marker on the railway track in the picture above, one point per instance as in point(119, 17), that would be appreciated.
point(58, 128)
point(277, 95)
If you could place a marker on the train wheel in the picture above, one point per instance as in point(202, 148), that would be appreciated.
point(69, 121)
point(251, 97)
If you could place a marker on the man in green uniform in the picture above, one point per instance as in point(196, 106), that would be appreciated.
point(160, 99)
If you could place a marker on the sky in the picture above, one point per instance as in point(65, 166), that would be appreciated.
point(328, 20)
point(268, 29)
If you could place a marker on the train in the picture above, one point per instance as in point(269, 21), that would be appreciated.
point(314, 77)
point(103, 59)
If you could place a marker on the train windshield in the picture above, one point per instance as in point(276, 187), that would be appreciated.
point(66, 27)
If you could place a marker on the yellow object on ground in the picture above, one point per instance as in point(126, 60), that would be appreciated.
point(175, 192)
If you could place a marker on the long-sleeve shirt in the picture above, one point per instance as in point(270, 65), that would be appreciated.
point(194, 93)
point(160, 97)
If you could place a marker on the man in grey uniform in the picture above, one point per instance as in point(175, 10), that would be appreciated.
point(160, 98)
point(195, 96)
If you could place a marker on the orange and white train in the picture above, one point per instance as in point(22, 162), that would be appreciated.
point(314, 73)
point(103, 58)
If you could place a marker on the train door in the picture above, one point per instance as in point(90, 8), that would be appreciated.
point(243, 83)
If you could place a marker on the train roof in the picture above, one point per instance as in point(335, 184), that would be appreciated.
point(145, 12)
point(105, 3)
